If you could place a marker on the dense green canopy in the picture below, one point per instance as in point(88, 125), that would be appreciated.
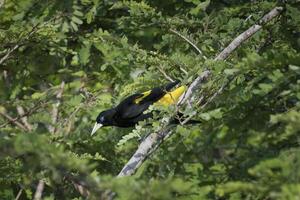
point(62, 62)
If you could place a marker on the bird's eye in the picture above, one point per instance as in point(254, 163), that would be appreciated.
point(102, 119)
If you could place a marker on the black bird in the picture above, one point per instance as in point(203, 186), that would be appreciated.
point(130, 111)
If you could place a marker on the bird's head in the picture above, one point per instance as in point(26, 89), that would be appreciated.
point(105, 118)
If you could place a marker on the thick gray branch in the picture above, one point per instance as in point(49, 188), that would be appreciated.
point(248, 33)
point(193, 86)
point(152, 141)
point(145, 148)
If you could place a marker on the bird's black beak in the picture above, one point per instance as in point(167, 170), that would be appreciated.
point(96, 127)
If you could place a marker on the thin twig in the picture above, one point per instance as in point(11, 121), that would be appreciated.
point(24, 119)
point(219, 91)
point(39, 190)
point(193, 86)
point(55, 107)
point(10, 51)
point(19, 194)
point(87, 187)
point(153, 140)
point(248, 18)
point(89, 100)
point(81, 189)
point(29, 112)
point(29, 34)
point(183, 70)
point(13, 121)
point(190, 42)
point(165, 74)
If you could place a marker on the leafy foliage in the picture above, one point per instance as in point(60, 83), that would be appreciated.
point(97, 52)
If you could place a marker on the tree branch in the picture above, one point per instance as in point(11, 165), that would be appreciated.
point(248, 33)
point(55, 107)
point(13, 121)
point(39, 190)
point(29, 112)
point(19, 194)
point(24, 119)
point(28, 35)
point(190, 42)
point(164, 74)
point(10, 51)
point(152, 141)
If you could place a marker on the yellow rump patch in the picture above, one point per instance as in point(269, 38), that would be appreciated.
point(168, 99)
point(171, 97)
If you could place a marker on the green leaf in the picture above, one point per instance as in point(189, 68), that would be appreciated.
point(231, 71)
point(38, 95)
point(79, 73)
point(76, 20)
point(75, 60)
point(200, 7)
point(84, 54)
point(265, 87)
point(216, 114)
point(65, 27)
point(78, 13)
point(74, 26)
point(294, 67)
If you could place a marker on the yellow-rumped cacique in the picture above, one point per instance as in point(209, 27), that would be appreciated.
point(131, 110)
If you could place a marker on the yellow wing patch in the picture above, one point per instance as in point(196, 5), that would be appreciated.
point(142, 97)
point(172, 97)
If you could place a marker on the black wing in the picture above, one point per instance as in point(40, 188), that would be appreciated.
point(129, 109)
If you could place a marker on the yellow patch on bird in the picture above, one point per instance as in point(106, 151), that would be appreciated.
point(168, 99)
point(141, 98)
point(171, 97)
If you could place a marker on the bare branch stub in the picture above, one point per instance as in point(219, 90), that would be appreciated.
point(39, 190)
point(24, 119)
point(19, 194)
point(55, 108)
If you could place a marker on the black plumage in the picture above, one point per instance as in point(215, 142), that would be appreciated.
point(128, 112)
point(131, 110)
